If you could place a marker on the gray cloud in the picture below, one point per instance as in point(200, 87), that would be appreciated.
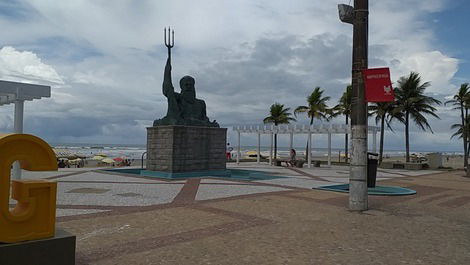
point(245, 56)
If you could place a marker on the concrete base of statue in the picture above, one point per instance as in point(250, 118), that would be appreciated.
point(179, 149)
point(57, 250)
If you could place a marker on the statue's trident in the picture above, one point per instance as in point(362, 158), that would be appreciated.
point(171, 41)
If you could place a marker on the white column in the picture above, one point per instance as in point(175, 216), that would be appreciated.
point(291, 142)
point(259, 148)
point(271, 149)
point(329, 149)
point(309, 150)
point(18, 127)
point(374, 140)
point(238, 148)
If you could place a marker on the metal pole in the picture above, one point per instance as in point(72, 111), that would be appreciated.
point(18, 127)
point(329, 149)
point(259, 148)
point(271, 148)
point(309, 160)
point(358, 200)
point(238, 148)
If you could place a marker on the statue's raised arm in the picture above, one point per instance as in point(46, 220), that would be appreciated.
point(168, 89)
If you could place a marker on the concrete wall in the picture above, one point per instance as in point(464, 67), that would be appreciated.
point(185, 148)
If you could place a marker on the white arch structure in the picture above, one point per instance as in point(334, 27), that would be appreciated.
point(18, 93)
point(328, 129)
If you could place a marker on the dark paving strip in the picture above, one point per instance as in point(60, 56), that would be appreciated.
point(147, 244)
point(142, 245)
point(309, 199)
point(305, 173)
point(188, 193)
point(254, 183)
point(434, 198)
point(113, 210)
point(236, 215)
point(67, 175)
point(249, 196)
point(457, 202)
point(121, 210)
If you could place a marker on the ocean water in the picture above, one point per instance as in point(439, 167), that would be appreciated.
point(135, 151)
point(132, 151)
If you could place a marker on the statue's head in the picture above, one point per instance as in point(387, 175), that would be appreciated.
point(187, 88)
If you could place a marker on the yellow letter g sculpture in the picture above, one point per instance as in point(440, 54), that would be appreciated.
point(34, 214)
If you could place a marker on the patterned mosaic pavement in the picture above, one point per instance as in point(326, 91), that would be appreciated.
point(127, 219)
point(92, 191)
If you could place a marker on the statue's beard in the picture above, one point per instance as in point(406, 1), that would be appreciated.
point(189, 96)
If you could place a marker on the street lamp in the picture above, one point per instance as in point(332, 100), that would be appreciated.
point(358, 17)
point(346, 13)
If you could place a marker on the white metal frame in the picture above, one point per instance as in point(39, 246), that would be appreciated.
point(18, 93)
point(291, 130)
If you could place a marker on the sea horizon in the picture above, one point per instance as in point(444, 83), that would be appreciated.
point(137, 150)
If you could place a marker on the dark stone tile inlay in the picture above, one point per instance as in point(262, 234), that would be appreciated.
point(88, 190)
point(129, 194)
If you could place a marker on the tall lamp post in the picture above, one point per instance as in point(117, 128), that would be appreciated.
point(358, 17)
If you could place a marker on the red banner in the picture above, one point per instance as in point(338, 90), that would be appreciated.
point(378, 85)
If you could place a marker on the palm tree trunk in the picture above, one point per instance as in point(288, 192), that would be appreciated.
point(407, 136)
point(346, 141)
point(464, 136)
point(468, 136)
point(381, 148)
point(306, 149)
point(275, 146)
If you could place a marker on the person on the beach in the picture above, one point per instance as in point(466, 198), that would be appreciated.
point(292, 158)
point(229, 151)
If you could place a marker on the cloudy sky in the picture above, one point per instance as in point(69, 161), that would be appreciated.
point(104, 60)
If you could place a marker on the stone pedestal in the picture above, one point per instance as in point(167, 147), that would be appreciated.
point(178, 149)
point(57, 250)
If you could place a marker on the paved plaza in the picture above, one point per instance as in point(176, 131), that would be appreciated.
point(128, 219)
point(85, 191)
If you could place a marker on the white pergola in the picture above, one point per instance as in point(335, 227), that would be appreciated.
point(328, 129)
point(18, 93)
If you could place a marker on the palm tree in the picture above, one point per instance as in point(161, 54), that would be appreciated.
point(412, 102)
point(316, 109)
point(278, 115)
point(344, 108)
point(460, 100)
point(384, 113)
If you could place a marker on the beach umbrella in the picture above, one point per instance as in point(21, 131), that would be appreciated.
point(97, 158)
point(108, 160)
